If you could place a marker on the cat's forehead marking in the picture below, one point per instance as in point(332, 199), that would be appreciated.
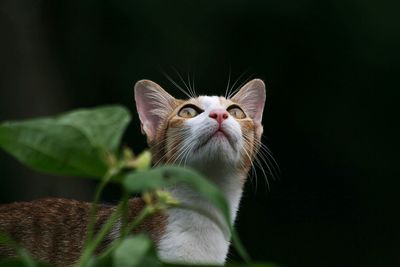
point(208, 102)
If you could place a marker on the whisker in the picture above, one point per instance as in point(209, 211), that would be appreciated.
point(233, 85)
point(258, 163)
point(194, 89)
point(180, 134)
point(183, 81)
point(263, 155)
point(177, 85)
point(252, 165)
point(185, 154)
point(240, 86)
point(189, 85)
point(180, 152)
point(175, 156)
point(229, 81)
point(266, 155)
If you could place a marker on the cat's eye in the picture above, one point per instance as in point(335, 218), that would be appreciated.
point(189, 111)
point(236, 112)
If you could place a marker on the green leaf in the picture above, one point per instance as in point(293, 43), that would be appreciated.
point(165, 176)
point(141, 181)
point(132, 251)
point(73, 143)
point(103, 126)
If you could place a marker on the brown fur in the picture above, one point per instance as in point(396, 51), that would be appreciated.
point(54, 230)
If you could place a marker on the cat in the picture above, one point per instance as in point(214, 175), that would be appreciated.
point(217, 136)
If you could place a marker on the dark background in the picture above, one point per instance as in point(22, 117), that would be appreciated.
point(331, 70)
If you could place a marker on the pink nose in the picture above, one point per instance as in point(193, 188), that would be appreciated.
point(219, 115)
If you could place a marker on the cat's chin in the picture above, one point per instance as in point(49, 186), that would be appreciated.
point(218, 149)
point(218, 140)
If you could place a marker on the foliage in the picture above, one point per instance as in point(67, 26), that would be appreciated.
point(71, 144)
point(85, 143)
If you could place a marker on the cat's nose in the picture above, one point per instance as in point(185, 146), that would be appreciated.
point(219, 115)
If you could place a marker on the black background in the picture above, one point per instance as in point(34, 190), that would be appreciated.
point(331, 70)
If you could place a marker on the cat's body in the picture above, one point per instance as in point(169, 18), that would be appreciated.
point(218, 137)
point(54, 230)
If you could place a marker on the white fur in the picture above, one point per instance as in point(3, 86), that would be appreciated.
point(191, 237)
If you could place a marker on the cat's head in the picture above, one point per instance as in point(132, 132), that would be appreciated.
point(202, 132)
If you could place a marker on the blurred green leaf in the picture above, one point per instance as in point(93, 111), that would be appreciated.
point(132, 251)
point(143, 161)
point(103, 126)
point(73, 143)
point(18, 262)
point(6, 240)
point(12, 263)
point(25, 259)
point(164, 176)
point(138, 181)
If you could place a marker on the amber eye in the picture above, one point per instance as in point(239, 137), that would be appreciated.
point(189, 111)
point(236, 112)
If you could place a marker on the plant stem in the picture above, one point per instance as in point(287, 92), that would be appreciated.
point(147, 211)
point(93, 211)
point(91, 246)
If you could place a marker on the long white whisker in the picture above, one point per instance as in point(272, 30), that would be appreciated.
point(172, 138)
point(264, 159)
point(240, 86)
point(177, 85)
point(229, 81)
point(194, 88)
point(183, 81)
point(258, 163)
point(251, 162)
point(189, 85)
point(233, 85)
point(180, 152)
point(267, 156)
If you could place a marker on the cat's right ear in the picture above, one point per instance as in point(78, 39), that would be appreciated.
point(154, 105)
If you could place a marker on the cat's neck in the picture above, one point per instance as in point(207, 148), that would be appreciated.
point(191, 237)
point(228, 180)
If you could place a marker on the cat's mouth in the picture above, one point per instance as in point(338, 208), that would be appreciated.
point(218, 135)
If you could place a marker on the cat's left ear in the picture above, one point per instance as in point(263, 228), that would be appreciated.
point(154, 105)
point(252, 98)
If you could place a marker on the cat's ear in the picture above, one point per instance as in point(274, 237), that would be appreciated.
point(153, 104)
point(252, 98)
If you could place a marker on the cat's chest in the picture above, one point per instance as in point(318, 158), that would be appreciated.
point(193, 237)
point(190, 237)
